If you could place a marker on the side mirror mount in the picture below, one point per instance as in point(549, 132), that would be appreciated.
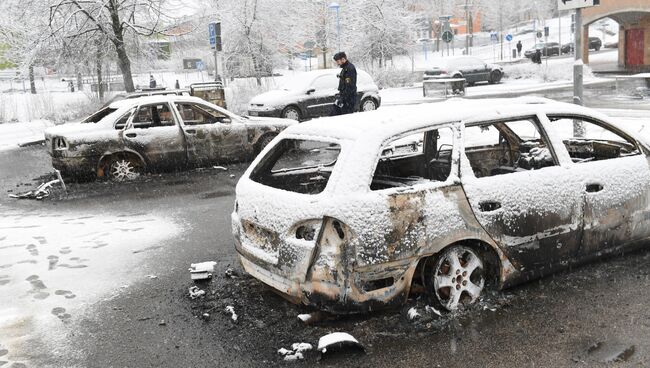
point(310, 91)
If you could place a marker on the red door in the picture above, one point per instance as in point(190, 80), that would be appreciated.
point(634, 47)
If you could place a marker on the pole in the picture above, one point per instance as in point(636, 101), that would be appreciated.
point(216, 66)
point(501, 27)
point(338, 29)
point(466, 27)
point(578, 129)
point(559, 30)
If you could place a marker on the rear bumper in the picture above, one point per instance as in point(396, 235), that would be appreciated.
point(344, 296)
point(75, 166)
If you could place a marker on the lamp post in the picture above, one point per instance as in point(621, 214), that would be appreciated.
point(336, 7)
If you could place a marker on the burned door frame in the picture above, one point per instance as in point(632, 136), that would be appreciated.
point(616, 205)
point(150, 144)
point(208, 143)
point(514, 208)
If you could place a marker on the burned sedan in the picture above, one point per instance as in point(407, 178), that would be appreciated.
point(497, 193)
point(157, 133)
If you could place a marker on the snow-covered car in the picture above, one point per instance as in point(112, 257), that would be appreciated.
point(473, 69)
point(157, 133)
point(594, 44)
point(500, 192)
point(311, 95)
point(547, 49)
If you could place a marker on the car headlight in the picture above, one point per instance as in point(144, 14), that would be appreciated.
point(59, 144)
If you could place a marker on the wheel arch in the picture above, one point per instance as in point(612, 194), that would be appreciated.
point(105, 159)
point(297, 106)
point(257, 149)
point(499, 267)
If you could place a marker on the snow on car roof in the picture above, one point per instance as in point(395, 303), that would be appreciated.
point(390, 121)
point(130, 102)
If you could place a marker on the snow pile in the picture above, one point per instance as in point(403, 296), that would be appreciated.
point(52, 106)
point(544, 73)
point(296, 352)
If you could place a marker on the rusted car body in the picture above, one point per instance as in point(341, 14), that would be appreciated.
point(499, 191)
point(157, 133)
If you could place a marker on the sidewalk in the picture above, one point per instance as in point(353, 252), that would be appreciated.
point(413, 95)
point(14, 135)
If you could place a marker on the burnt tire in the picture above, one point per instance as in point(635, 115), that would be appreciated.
point(495, 77)
point(124, 168)
point(455, 277)
point(263, 142)
point(291, 112)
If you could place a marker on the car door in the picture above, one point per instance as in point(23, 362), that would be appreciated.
point(323, 95)
point(154, 133)
point(212, 135)
point(614, 174)
point(511, 178)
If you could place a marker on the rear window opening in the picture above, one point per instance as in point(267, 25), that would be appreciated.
point(295, 165)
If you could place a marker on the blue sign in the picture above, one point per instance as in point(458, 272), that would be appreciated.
point(213, 33)
point(200, 65)
point(508, 37)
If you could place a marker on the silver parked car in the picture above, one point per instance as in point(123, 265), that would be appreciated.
point(157, 133)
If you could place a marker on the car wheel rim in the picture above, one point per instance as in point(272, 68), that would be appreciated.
point(458, 278)
point(122, 170)
point(292, 114)
point(369, 106)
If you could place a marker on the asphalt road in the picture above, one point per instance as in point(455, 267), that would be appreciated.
point(588, 317)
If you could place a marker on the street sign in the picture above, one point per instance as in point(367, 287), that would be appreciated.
point(447, 36)
point(214, 31)
point(508, 37)
point(494, 37)
point(200, 65)
point(539, 34)
point(576, 4)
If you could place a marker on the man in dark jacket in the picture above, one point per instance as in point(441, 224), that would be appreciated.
point(519, 47)
point(537, 57)
point(152, 81)
point(347, 98)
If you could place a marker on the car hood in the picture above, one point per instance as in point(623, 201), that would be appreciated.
point(276, 97)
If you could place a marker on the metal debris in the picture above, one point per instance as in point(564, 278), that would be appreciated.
point(230, 309)
point(195, 292)
point(413, 313)
point(42, 191)
point(220, 168)
point(231, 273)
point(202, 271)
point(338, 340)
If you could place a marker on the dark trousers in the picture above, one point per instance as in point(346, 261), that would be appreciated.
point(347, 108)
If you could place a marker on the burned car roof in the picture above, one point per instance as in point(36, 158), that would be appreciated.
point(392, 120)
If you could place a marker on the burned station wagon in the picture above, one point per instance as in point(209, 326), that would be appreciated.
point(496, 192)
point(157, 133)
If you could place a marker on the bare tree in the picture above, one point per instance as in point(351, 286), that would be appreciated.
point(114, 21)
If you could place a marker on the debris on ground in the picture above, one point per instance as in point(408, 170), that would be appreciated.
point(338, 341)
point(232, 175)
point(230, 309)
point(195, 292)
point(162, 323)
point(608, 352)
point(202, 271)
point(413, 313)
point(430, 309)
point(296, 351)
point(220, 168)
point(151, 276)
point(231, 273)
point(42, 191)
point(305, 317)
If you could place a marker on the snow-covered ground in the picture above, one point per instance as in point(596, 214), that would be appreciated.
point(59, 263)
